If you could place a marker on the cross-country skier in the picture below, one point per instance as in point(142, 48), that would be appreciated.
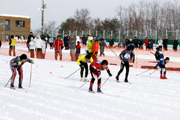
point(124, 56)
point(82, 61)
point(16, 64)
point(95, 68)
point(161, 65)
point(159, 54)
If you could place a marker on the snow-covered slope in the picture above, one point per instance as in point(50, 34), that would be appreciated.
point(53, 98)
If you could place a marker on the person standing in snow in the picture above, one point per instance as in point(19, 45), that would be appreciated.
point(82, 61)
point(123, 42)
point(78, 50)
point(165, 43)
point(160, 42)
point(84, 40)
point(111, 42)
point(147, 43)
point(175, 44)
point(162, 64)
point(150, 41)
point(102, 45)
point(66, 42)
point(38, 46)
point(31, 47)
point(72, 46)
point(16, 64)
point(90, 45)
point(95, 49)
point(58, 45)
point(51, 41)
point(29, 39)
point(95, 69)
point(12, 44)
point(124, 56)
point(44, 46)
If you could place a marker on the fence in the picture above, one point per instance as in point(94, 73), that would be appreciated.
point(117, 35)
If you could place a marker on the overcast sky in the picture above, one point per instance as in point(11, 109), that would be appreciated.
point(59, 10)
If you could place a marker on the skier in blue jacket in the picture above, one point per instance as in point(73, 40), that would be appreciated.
point(162, 62)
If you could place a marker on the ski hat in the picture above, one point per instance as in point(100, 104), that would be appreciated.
point(129, 48)
point(167, 58)
point(95, 39)
point(59, 36)
point(23, 56)
point(104, 62)
point(157, 48)
point(88, 56)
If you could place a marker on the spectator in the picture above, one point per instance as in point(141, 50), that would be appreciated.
point(140, 44)
point(0, 43)
point(150, 41)
point(84, 40)
point(160, 42)
point(86, 49)
point(147, 43)
point(90, 45)
point(66, 42)
point(111, 42)
point(102, 44)
point(38, 45)
point(29, 39)
point(123, 42)
point(32, 47)
point(165, 42)
point(12, 44)
point(72, 45)
point(95, 49)
point(58, 45)
point(78, 50)
point(51, 40)
point(127, 41)
point(44, 46)
point(136, 42)
point(175, 44)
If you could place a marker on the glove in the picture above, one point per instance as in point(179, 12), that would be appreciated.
point(81, 66)
point(110, 74)
point(32, 61)
point(20, 63)
point(96, 72)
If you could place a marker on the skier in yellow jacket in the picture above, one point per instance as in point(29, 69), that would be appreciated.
point(82, 61)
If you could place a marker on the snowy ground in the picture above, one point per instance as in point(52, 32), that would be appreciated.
point(53, 98)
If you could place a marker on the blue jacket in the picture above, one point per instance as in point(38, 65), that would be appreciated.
point(51, 40)
point(32, 45)
point(161, 62)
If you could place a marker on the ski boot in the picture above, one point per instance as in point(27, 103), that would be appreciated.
point(117, 79)
point(81, 79)
point(99, 90)
point(126, 81)
point(161, 77)
point(20, 86)
point(86, 80)
point(12, 86)
point(91, 90)
point(165, 76)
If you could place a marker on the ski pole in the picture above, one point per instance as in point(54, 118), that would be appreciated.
point(152, 53)
point(105, 82)
point(8, 81)
point(114, 52)
point(30, 76)
point(144, 71)
point(83, 85)
point(153, 72)
point(72, 73)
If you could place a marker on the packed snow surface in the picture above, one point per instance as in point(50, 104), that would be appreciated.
point(51, 97)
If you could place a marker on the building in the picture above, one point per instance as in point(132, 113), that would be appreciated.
point(14, 25)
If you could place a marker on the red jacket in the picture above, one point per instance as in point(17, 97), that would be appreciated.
point(146, 43)
point(95, 47)
point(97, 66)
point(58, 44)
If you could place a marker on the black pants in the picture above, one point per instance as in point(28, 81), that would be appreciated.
point(126, 64)
point(82, 69)
point(93, 79)
point(51, 45)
